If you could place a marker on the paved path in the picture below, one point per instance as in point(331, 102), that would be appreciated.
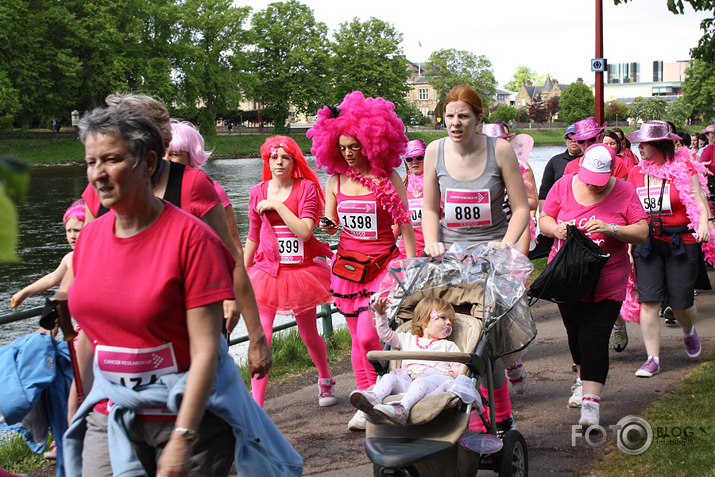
point(329, 449)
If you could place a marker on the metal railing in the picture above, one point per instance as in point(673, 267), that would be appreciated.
point(325, 313)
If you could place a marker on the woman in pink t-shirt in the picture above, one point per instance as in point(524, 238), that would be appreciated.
point(609, 212)
point(414, 158)
point(285, 262)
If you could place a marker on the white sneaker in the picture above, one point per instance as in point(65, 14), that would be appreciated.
point(326, 396)
point(589, 414)
point(577, 395)
point(358, 422)
point(517, 378)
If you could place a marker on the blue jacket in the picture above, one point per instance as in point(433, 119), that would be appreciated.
point(36, 375)
point(261, 449)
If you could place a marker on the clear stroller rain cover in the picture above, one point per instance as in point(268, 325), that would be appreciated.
point(468, 270)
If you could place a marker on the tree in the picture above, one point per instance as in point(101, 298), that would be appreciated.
point(367, 57)
point(521, 76)
point(552, 106)
point(577, 103)
point(699, 89)
point(211, 36)
point(288, 66)
point(503, 114)
point(647, 109)
point(705, 50)
point(678, 112)
point(448, 68)
point(616, 111)
point(536, 110)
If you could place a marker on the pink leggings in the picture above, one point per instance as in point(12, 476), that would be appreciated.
point(364, 339)
point(308, 329)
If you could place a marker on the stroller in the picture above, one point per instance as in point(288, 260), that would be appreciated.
point(493, 327)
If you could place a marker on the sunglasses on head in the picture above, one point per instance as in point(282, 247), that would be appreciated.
point(416, 159)
point(583, 141)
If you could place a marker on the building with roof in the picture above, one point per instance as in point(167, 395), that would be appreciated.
point(530, 92)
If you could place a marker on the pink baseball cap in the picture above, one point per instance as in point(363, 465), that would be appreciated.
point(710, 128)
point(597, 165)
point(415, 148)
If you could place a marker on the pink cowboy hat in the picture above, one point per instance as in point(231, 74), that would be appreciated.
point(653, 131)
point(708, 129)
point(495, 130)
point(597, 165)
point(587, 128)
point(415, 148)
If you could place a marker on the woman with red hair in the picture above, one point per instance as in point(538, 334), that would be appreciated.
point(283, 258)
point(360, 144)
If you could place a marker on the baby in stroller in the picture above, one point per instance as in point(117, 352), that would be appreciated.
point(431, 325)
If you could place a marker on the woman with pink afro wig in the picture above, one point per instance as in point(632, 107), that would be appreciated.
point(359, 144)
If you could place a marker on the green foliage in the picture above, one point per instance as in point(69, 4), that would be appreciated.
point(678, 112)
point(411, 115)
point(367, 57)
point(615, 111)
point(14, 182)
point(536, 111)
point(210, 35)
point(288, 65)
point(699, 89)
point(521, 76)
point(503, 114)
point(577, 103)
point(648, 109)
point(448, 68)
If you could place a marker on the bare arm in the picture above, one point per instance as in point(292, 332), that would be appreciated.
point(703, 232)
point(430, 203)
point(408, 232)
point(204, 327)
point(550, 228)
point(301, 227)
point(45, 283)
point(633, 233)
point(250, 253)
point(233, 227)
point(514, 182)
point(259, 353)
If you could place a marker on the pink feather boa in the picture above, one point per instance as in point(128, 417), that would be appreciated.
point(676, 171)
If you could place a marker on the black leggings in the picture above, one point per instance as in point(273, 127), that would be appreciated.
point(588, 326)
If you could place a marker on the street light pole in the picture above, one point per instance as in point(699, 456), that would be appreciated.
point(599, 54)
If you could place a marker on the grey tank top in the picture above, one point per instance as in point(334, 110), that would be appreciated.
point(472, 209)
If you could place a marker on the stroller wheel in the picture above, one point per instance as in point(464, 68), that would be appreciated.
point(408, 471)
point(513, 459)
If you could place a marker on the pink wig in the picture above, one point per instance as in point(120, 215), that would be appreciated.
point(372, 121)
point(75, 211)
point(184, 137)
point(300, 169)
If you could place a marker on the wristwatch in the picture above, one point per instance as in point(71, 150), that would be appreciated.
point(614, 230)
point(187, 434)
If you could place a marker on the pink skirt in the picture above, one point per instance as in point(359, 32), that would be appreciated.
point(295, 288)
point(352, 298)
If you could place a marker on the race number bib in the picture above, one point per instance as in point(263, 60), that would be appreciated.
point(416, 211)
point(133, 367)
point(467, 208)
point(359, 218)
point(650, 198)
point(290, 247)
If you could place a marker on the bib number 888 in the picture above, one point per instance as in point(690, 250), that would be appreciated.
point(466, 213)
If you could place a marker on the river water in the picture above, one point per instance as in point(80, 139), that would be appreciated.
point(42, 242)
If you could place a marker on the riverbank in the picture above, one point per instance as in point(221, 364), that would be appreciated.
point(50, 152)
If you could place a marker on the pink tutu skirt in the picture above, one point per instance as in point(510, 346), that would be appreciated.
point(351, 298)
point(295, 288)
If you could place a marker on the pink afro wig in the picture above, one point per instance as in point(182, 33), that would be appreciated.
point(185, 137)
point(372, 121)
point(75, 211)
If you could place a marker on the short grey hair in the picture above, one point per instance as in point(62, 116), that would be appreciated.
point(139, 133)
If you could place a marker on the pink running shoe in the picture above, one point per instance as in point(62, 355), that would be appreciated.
point(649, 369)
point(692, 345)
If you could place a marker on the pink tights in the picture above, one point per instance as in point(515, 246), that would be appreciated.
point(308, 329)
point(364, 339)
point(502, 407)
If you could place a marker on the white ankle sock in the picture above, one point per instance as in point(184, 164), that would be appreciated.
point(692, 332)
point(656, 359)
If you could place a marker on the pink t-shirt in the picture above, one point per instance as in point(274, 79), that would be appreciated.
point(414, 202)
point(198, 195)
point(222, 195)
point(620, 207)
point(707, 156)
point(134, 292)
